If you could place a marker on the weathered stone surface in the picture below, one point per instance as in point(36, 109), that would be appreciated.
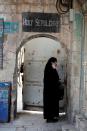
point(12, 10)
point(4, 9)
point(23, 8)
point(81, 123)
point(68, 128)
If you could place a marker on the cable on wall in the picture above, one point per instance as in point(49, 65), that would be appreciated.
point(63, 6)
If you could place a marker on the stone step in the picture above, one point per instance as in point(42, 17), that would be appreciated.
point(69, 127)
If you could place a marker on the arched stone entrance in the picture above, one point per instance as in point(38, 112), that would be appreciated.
point(42, 47)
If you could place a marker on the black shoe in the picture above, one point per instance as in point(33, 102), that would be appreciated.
point(51, 120)
point(57, 118)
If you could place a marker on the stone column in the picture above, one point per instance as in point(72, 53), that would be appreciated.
point(84, 107)
point(76, 66)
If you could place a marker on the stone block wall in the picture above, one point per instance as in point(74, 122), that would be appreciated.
point(76, 63)
point(84, 67)
point(76, 59)
point(11, 10)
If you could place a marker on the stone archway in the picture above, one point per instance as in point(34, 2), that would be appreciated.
point(36, 36)
point(39, 36)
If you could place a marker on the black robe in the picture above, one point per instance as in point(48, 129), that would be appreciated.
point(50, 94)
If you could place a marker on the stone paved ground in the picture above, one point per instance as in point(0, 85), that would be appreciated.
point(32, 122)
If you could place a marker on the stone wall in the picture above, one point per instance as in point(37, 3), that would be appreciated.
point(77, 60)
point(76, 74)
point(11, 10)
point(84, 67)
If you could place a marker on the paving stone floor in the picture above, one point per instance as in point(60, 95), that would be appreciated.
point(32, 121)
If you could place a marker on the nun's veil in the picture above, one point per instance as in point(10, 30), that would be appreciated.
point(49, 64)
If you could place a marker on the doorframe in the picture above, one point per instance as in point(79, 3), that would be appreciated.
point(24, 41)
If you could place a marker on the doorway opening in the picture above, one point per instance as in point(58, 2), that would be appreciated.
point(31, 60)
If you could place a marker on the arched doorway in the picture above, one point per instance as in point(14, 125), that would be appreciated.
point(35, 52)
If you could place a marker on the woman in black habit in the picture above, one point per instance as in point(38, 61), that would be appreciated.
point(50, 92)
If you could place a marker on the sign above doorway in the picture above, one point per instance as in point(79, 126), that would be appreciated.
point(40, 22)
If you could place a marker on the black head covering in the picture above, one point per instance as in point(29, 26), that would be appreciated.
point(49, 63)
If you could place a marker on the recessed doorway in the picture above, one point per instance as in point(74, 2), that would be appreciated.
point(34, 55)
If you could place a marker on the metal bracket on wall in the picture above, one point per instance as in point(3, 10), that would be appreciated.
point(63, 6)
